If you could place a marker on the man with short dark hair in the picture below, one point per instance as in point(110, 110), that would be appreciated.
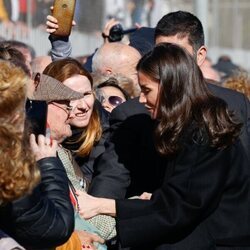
point(181, 25)
point(185, 29)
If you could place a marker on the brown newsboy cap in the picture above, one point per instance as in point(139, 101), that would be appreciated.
point(49, 89)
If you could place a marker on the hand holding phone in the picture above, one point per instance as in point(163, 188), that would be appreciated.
point(36, 117)
point(43, 147)
point(63, 11)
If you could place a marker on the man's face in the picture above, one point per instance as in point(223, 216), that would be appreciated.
point(183, 42)
point(57, 118)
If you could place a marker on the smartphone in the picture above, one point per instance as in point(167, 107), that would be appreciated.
point(36, 117)
point(64, 11)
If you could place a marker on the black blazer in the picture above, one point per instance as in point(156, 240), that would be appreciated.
point(203, 203)
point(129, 165)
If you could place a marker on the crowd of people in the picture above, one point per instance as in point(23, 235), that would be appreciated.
point(144, 146)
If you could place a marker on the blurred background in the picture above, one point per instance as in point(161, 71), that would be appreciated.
point(226, 23)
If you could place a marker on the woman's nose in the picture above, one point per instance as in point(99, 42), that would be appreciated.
point(106, 105)
point(142, 98)
point(81, 104)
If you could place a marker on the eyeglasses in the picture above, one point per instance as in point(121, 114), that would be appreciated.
point(65, 107)
point(113, 100)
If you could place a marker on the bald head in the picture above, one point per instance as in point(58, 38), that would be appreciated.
point(39, 63)
point(116, 58)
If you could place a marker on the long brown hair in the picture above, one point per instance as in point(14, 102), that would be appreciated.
point(18, 170)
point(183, 98)
point(62, 70)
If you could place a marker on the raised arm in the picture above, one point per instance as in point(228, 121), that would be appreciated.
point(60, 46)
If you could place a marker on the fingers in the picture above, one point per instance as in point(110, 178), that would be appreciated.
point(43, 141)
point(43, 147)
point(145, 196)
point(138, 26)
point(98, 239)
point(33, 143)
point(51, 19)
point(89, 247)
point(112, 22)
point(52, 24)
point(87, 239)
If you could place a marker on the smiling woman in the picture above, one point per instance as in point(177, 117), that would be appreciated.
point(84, 114)
point(81, 116)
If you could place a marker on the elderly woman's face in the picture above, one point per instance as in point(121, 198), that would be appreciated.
point(81, 109)
point(110, 97)
point(149, 94)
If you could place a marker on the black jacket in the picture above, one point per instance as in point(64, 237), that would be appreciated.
point(114, 175)
point(45, 218)
point(203, 202)
point(129, 165)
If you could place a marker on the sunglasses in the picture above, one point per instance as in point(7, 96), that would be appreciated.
point(113, 100)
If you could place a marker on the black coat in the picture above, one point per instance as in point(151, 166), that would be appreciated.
point(45, 218)
point(131, 138)
point(203, 202)
point(130, 164)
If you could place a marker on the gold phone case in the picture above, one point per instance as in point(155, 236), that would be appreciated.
point(64, 12)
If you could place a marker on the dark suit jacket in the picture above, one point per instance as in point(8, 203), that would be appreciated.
point(129, 163)
point(240, 105)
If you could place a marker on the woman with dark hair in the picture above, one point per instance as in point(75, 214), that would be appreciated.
point(204, 192)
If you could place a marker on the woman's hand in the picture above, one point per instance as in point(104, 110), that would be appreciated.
point(90, 206)
point(43, 147)
point(145, 196)
point(87, 239)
